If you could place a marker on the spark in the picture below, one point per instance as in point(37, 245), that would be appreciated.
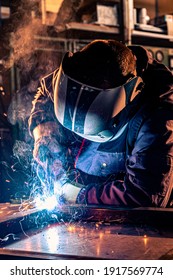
point(21, 226)
point(145, 239)
point(7, 237)
point(49, 203)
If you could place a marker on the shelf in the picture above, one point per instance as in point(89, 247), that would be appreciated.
point(152, 35)
point(92, 27)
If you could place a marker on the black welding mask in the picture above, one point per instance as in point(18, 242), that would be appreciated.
point(91, 111)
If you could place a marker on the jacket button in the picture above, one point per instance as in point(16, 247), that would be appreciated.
point(104, 164)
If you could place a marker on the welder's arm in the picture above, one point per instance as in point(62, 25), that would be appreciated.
point(140, 188)
point(43, 126)
point(42, 121)
point(149, 170)
point(112, 193)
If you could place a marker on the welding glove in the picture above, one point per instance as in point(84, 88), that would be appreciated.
point(47, 150)
point(68, 192)
point(49, 154)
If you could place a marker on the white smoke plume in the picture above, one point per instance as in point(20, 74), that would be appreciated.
point(24, 27)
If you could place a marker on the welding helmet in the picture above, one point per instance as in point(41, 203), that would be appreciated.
point(91, 111)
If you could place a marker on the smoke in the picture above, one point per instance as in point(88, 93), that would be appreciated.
point(29, 55)
point(24, 27)
point(23, 45)
point(23, 152)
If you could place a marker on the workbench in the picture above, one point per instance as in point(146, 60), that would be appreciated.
point(80, 232)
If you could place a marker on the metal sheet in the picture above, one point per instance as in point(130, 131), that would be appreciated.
point(87, 233)
point(96, 240)
point(17, 218)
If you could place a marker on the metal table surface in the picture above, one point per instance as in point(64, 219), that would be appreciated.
point(95, 234)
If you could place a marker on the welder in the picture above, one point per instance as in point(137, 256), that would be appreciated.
point(103, 127)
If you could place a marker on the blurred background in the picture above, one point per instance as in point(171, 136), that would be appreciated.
point(34, 35)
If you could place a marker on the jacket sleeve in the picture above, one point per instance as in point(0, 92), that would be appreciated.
point(42, 113)
point(149, 169)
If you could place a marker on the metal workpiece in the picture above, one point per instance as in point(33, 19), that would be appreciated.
point(80, 232)
point(94, 240)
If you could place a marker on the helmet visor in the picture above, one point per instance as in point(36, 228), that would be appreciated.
point(89, 111)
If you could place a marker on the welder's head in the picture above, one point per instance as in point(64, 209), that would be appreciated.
point(93, 86)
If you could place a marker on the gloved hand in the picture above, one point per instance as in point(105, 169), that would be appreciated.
point(49, 154)
point(68, 192)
